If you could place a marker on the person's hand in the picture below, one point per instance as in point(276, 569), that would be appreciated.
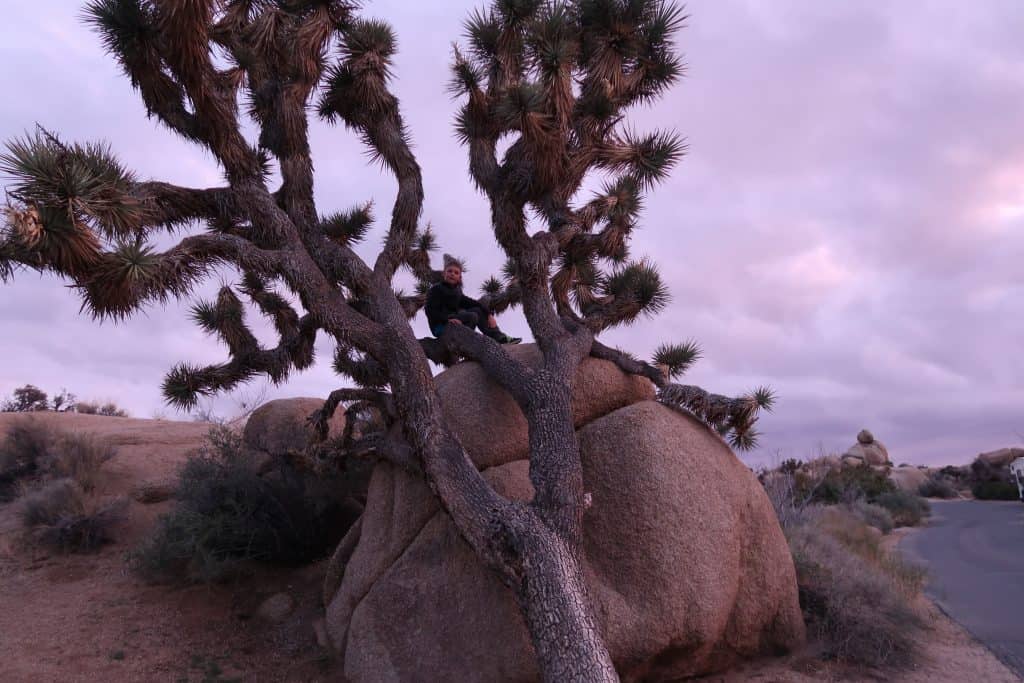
point(455, 321)
point(492, 321)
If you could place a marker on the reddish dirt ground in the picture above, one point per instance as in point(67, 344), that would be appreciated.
point(86, 618)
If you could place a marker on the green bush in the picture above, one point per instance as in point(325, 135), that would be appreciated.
point(27, 444)
point(856, 598)
point(938, 486)
point(60, 516)
point(226, 515)
point(995, 490)
point(873, 515)
point(849, 484)
point(34, 450)
point(907, 509)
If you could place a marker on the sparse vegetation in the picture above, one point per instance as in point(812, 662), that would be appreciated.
point(851, 483)
point(27, 399)
point(856, 598)
point(108, 409)
point(60, 516)
point(873, 515)
point(226, 515)
point(30, 398)
point(907, 509)
point(995, 490)
point(28, 443)
point(938, 486)
point(34, 450)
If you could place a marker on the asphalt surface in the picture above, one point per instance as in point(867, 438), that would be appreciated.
point(974, 552)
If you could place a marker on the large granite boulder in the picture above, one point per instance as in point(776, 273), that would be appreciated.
point(868, 450)
point(1001, 457)
point(687, 566)
point(280, 427)
point(908, 478)
point(478, 410)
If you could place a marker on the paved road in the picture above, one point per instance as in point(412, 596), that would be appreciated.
point(975, 556)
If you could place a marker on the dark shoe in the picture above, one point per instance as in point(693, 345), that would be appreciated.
point(510, 340)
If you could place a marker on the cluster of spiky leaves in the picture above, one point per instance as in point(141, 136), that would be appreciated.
point(733, 418)
point(558, 77)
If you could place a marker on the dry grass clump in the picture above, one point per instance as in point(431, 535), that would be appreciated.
point(938, 486)
point(906, 508)
point(857, 598)
point(59, 515)
point(28, 443)
point(873, 515)
point(109, 409)
point(34, 450)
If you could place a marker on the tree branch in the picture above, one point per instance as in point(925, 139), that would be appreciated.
point(628, 363)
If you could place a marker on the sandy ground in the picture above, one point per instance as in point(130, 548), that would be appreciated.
point(85, 618)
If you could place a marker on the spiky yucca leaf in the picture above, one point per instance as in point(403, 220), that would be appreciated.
point(518, 103)
point(86, 180)
point(553, 41)
point(426, 240)
point(492, 286)
point(652, 156)
point(349, 227)
point(639, 282)
point(482, 29)
point(181, 386)
point(466, 78)
point(126, 27)
point(677, 357)
point(765, 397)
point(516, 11)
point(369, 38)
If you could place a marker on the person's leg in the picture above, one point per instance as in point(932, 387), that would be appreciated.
point(495, 332)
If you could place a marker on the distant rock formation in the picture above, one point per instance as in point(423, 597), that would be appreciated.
point(867, 450)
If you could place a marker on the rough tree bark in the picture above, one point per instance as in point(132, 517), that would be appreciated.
point(556, 77)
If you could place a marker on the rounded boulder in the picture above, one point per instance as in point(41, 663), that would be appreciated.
point(489, 423)
point(687, 567)
point(281, 426)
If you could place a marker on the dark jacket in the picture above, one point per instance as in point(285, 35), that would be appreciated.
point(445, 300)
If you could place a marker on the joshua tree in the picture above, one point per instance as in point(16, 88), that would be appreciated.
point(553, 78)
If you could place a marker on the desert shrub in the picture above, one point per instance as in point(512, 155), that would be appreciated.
point(35, 450)
point(852, 483)
point(108, 409)
point(79, 457)
point(58, 515)
point(938, 486)
point(26, 399)
point(226, 514)
point(873, 515)
point(907, 509)
point(856, 598)
point(791, 466)
point(27, 444)
point(995, 490)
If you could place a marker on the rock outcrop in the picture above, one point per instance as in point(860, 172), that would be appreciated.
point(280, 426)
point(908, 478)
point(687, 566)
point(1001, 457)
point(477, 409)
point(867, 450)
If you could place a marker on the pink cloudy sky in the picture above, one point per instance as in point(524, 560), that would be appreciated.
point(848, 226)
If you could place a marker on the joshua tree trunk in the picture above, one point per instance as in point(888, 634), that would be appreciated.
point(557, 77)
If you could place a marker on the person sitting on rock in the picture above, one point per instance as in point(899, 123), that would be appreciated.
point(446, 304)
